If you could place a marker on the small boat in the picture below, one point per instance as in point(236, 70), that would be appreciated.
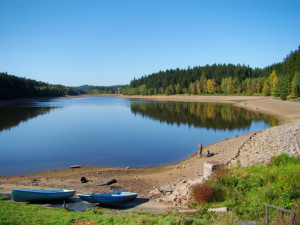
point(25, 195)
point(109, 198)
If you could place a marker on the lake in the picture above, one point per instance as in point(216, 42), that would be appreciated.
point(110, 131)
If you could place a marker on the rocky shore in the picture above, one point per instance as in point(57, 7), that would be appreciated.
point(267, 143)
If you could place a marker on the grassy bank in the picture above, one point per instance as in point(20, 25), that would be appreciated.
point(245, 190)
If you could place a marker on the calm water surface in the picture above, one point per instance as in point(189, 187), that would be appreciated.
point(109, 131)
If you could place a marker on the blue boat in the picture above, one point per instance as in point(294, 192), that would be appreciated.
point(109, 198)
point(25, 195)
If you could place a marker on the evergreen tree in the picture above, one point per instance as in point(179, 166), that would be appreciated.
point(296, 85)
point(283, 87)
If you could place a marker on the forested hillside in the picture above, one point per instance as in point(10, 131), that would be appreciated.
point(12, 87)
point(280, 79)
point(105, 90)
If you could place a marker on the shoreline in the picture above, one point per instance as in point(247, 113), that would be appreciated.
point(145, 180)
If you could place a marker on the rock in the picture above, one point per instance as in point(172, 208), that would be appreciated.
point(188, 211)
point(165, 188)
point(224, 209)
point(210, 166)
point(154, 193)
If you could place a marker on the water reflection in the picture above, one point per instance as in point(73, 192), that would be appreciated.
point(11, 116)
point(209, 115)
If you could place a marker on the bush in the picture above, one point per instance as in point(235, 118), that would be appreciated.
point(204, 193)
point(283, 159)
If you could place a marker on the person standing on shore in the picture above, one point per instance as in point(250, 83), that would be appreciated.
point(200, 147)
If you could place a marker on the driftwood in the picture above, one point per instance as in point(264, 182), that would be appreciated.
point(103, 184)
point(109, 182)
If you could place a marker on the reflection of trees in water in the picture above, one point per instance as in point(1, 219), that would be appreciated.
point(13, 116)
point(209, 115)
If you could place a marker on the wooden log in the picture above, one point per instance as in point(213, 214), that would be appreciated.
point(109, 182)
point(103, 184)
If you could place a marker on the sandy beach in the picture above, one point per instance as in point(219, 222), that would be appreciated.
point(245, 150)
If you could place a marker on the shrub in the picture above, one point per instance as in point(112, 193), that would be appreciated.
point(204, 193)
point(223, 176)
point(283, 159)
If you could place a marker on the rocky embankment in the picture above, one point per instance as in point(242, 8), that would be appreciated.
point(257, 149)
point(267, 143)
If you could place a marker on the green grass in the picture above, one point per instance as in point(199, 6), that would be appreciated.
point(21, 213)
point(294, 99)
point(245, 190)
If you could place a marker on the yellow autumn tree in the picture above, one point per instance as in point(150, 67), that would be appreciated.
point(211, 86)
point(274, 82)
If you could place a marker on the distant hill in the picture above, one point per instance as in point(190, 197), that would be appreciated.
point(13, 87)
point(90, 89)
point(85, 87)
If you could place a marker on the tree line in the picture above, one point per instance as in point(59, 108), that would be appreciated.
point(279, 80)
point(105, 90)
point(13, 87)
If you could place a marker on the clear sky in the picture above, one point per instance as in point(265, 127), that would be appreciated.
point(104, 43)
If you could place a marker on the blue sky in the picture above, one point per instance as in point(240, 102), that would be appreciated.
point(74, 42)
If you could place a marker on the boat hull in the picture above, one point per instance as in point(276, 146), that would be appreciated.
point(114, 198)
point(87, 198)
point(109, 198)
point(23, 195)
